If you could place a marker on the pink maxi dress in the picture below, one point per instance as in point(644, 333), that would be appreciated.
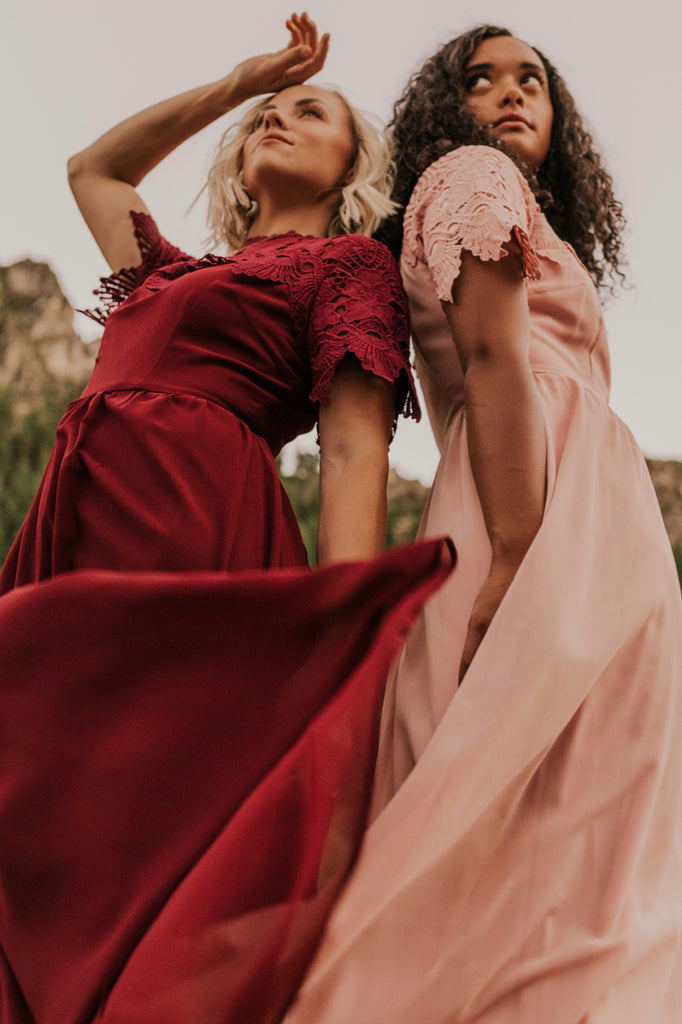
point(525, 861)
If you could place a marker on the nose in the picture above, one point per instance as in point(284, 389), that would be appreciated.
point(512, 94)
point(273, 118)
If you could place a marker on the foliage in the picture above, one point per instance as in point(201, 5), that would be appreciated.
point(405, 503)
point(26, 442)
point(405, 506)
point(677, 552)
point(302, 487)
point(25, 445)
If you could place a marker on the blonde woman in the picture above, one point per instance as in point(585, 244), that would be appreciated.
point(188, 746)
point(289, 182)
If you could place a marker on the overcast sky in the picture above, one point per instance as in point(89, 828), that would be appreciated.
point(69, 70)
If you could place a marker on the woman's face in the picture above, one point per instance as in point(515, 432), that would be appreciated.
point(301, 146)
point(508, 93)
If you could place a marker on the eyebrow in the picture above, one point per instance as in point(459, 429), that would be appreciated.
point(525, 65)
point(306, 102)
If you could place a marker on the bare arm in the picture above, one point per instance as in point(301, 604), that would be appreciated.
point(355, 428)
point(104, 176)
point(505, 428)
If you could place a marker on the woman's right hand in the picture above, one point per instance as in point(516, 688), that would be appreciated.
point(104, 177)
point(302, 57)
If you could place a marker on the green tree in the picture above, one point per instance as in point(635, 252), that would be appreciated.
point(677, 552)
point(25, 445)
point(405, 503)
point(302, 487)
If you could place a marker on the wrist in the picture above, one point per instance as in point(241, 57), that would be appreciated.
point(218, 98)
point(233, 90)
point(504, 566)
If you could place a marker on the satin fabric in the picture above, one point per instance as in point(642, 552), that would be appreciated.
point(184, 779)
point(525, 861)
point(188, 714)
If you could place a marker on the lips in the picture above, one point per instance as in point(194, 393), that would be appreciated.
point(275, 136)
point(512, 119)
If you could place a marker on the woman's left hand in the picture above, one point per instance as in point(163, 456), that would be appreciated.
point(302, 57)
point(487, 602)
point(505, 424)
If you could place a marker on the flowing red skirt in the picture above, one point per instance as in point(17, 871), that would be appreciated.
point(185, 765)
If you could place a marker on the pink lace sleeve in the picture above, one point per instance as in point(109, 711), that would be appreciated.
point(155, 252)
point(361, 308)
point(472, 199)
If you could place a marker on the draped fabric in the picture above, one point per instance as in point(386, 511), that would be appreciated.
point(188, 713)
point(525, 861)
point(185, 770)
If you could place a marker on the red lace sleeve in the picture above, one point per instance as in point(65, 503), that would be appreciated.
point(155, 252)
point(361, 308)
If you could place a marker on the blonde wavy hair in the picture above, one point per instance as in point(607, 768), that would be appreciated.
point(365, 201)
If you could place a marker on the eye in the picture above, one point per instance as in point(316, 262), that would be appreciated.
point(533, 78)
point(477, 83)
point(310, 110)
point(257, 123)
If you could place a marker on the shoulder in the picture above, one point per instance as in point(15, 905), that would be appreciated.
point(474, 165)
point(357, 250)
point(361, 265)
point(361, 309)
point(307, 255)
point(361, 283)
point(473, 199)
point(157, 255)
point(468, 185)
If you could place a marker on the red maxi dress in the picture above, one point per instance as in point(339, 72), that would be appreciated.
point(186, 740)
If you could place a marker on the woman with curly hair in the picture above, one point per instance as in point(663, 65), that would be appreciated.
point(189, 714)
point(525, 861)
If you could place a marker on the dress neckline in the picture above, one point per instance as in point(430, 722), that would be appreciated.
point(275, 237)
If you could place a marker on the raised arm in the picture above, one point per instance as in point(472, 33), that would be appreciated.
point(104, 177)
point(355, 429)
point(505, 428)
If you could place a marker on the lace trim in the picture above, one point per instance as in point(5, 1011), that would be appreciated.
point(155, 251)
point(344, 295)
point(381, 363)
point(361, 309)
point(472, 199)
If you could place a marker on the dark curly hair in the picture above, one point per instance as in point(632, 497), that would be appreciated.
point(572, 186)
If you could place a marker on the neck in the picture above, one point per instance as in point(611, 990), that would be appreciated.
point(305, 219)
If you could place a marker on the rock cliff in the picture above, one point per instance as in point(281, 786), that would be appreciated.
point(667, 480)
point(42, 357)
point(40, 351)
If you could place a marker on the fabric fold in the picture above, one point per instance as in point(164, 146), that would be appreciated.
point(180, 799)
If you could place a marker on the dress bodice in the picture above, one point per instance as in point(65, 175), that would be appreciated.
point(259, 332)
point(475, 199)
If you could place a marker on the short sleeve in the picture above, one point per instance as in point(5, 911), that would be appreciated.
point(155, 251)
point(473, 199)
point(361, 308)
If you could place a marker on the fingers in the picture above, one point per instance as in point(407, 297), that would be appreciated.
point(303, 56)
point(322, 51)
point(485, 607)
point(303, 31)
point(482, 613)
point(304, 34)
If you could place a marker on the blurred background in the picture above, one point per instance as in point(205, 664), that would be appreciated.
point(69, 71)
